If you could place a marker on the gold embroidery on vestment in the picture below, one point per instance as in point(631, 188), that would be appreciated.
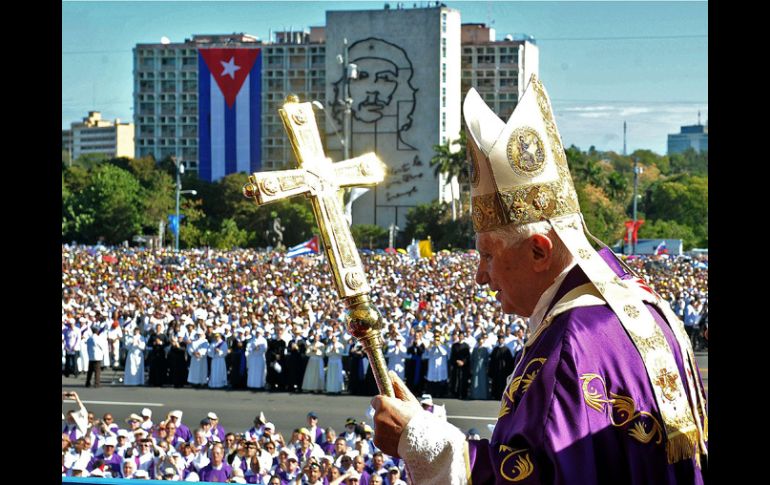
point(523, 466)
point(624, 407)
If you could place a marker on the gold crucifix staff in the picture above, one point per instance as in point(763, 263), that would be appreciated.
point(318, 179)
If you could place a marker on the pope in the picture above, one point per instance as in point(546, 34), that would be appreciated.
point(606, 389)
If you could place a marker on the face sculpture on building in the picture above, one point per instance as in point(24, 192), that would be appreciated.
point(381, 92)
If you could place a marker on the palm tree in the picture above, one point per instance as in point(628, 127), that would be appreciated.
point(451, 162)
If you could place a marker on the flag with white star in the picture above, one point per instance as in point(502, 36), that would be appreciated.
point(229, 99)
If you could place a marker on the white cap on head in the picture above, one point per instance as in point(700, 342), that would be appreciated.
point(212, 415)
point(110, 441)
point(147, 412)
point(176, 413)
point(141, 474)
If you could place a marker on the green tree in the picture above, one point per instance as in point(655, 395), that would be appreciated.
point(690, 161)
point(603, 217)
point(228, 236)
point(190, 234)
point(113, 199)
point(369, 236)
point(617, 187)
point(683, 199)
point(90, 160)
point(457, 234)
point(450, 159)
point(158, 196)
point(663, 229)
point(425, 220)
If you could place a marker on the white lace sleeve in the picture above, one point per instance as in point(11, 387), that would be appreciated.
point(435, 451)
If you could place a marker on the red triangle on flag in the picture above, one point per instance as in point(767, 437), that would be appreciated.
point(229, 68)
point(314, 243)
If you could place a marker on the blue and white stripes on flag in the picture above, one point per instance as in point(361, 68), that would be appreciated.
point(229, 109)
point(308, 247)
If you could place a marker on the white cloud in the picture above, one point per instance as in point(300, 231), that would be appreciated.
point(601, 124)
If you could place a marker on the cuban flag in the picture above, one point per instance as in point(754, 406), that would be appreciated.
point(229, 106)
point(661, 249)
point(310, 246)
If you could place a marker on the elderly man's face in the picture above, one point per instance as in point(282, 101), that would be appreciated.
point(217, 453)
point(129, 467)
point(508, 272)
point(375, 479)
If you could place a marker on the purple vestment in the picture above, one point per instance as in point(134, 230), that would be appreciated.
point(580, 408)
point(208, 474)
point(183, 432)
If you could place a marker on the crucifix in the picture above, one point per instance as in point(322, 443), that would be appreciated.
point(320, 180)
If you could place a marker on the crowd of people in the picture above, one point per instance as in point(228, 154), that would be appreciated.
point(173, 449)
point(245, 319)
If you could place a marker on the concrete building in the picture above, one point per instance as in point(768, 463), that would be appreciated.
point(294, 64)
point(692, 136)
point(166, 91)
point(94, 135)
point(419, 62)
point(405, 92)
point(499, 70)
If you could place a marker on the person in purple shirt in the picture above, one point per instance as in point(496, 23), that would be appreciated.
point(181, 429)
point(316, 432)
point(328, 445)
point(217, 470)
point(607, 389)
point(109, 458)
point(109, 420)
point(216, 427)
point(292, 471)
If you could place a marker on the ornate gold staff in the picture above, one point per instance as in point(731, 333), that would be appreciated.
point(318, 179)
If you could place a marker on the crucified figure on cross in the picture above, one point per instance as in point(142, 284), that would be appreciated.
point(320, 180)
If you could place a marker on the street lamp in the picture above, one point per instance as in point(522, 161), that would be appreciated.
point(179, 191)
point(637, 171)
point(351, 72)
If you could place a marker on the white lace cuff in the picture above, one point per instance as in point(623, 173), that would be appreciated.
point(436, 452)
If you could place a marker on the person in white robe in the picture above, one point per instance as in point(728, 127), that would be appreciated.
point(198, 374)
point(255, 360)
point(85, 332)
point(313, 380)
point(133, 375)
point(114, 336)
point(218, 352)
point(396, 355)
point(438, 367)
point(334, 375)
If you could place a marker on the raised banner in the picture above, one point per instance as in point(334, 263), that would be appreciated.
point(229, 108)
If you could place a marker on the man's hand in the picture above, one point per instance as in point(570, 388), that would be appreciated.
point(391, 415)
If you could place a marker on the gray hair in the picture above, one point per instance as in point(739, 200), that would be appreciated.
point(513, 235)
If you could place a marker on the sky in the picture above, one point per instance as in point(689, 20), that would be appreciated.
point(603, 63)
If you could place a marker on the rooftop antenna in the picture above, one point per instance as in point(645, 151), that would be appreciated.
point(624, 138)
